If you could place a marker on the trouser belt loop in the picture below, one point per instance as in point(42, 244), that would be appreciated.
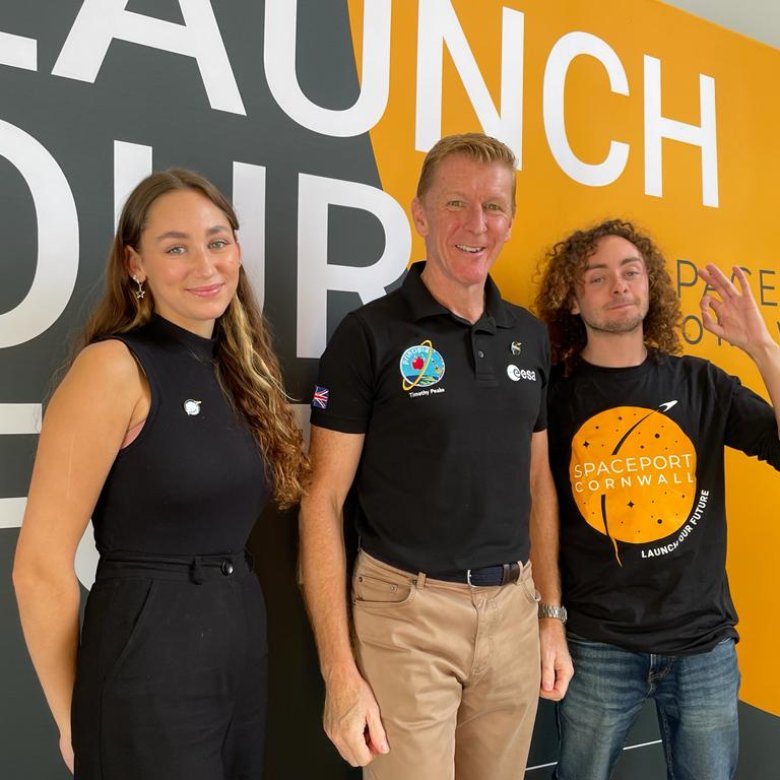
point(421, 579)
point(196, 571)
point(512, 572)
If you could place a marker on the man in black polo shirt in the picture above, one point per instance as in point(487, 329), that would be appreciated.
point(432, 401)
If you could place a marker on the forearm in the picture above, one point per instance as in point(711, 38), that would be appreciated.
point(556, 666)
point(545, 543)
point(324, 581)
point(767, 360)
point(351, 715)
point(49, 611)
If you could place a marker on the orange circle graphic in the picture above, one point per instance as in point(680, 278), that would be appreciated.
point(633, 474)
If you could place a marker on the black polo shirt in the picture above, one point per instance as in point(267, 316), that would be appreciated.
point(447, 409)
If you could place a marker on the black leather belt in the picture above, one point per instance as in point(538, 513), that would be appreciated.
point(501, 574)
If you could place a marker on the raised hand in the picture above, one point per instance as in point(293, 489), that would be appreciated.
point(734, 315)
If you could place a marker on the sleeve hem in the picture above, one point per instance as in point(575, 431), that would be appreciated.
point(340, 424)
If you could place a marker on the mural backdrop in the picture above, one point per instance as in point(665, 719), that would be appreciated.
point(315, 116)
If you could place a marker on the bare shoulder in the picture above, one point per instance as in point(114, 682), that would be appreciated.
point(104, 374)
point(110, 356)
point(107, 363)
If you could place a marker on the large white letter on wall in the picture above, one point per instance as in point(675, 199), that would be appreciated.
point(658, 127)
point(438, 25)
point(58, 238)
point(316, 276)
point(101, 21)
point(18, 51)
point(279, 55)
point(563, 53)
point(132, 164)
point(249, 203)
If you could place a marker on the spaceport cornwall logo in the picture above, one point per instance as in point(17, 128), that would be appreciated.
point(421, 366)
point(633, 475)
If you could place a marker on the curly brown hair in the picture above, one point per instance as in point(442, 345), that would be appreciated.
point(564, 265)
point(246, 364)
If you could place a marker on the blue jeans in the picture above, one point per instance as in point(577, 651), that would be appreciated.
point(695, 698)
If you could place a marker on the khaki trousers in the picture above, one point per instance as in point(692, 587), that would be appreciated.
point(454, 668)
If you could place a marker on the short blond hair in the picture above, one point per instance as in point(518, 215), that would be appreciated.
point(476, 146)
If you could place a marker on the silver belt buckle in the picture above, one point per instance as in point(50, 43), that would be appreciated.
point(468, 579)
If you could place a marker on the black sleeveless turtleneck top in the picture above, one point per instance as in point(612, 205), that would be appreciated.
point(193, 481)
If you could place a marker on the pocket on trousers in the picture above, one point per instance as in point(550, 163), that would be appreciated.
point(367, 590)
point(526, 582)
point(141, 606)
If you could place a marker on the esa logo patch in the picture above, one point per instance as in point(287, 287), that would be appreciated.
point(516, 374)
point(421, 366)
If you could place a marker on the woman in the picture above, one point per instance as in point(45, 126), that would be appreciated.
point(171, 430)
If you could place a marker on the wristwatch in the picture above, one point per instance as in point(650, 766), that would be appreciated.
point(550, 611)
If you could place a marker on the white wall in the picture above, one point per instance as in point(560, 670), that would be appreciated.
point(758, 19)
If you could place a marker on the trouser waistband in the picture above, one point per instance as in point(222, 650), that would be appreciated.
point(195, 568)
point(500, 574)
point(486, 576)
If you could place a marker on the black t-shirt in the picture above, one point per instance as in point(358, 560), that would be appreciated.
point(193, 482)
point(447, 409)
point(637, 455)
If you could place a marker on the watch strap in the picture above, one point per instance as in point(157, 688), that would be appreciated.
point(553, 611)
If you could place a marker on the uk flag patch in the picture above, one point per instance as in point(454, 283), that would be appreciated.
point(320, 398)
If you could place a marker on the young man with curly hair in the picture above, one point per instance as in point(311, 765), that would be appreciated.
point(637, 437)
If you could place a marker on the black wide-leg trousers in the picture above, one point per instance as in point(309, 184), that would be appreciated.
point(172, 671)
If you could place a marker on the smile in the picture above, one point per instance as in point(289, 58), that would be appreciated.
point(206, 292)
point(472, 250)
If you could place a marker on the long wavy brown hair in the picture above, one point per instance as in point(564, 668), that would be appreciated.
point(246, 364)
point(562, 269)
